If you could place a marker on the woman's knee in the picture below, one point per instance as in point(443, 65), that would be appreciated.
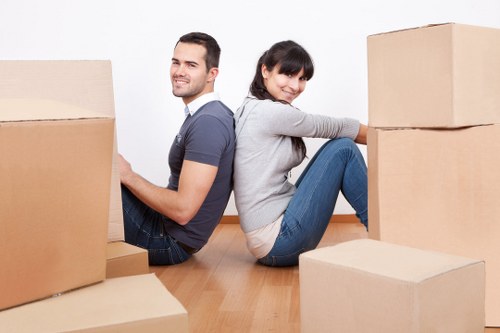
point(342, 145)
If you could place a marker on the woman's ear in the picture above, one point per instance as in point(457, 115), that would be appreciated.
point(264, 71)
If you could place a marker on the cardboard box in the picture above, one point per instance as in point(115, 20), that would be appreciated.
point(370, 286)
point(127, 305)
point(438, 190)
point(83, 83)
point(124, 259)
point(55, 170)
point(444, 75)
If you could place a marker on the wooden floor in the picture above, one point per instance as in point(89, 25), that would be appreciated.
point(224, 290)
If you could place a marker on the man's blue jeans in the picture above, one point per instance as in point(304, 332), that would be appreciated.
point(144, 227)
point(337, 166)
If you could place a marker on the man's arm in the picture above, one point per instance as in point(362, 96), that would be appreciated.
point(195, 182)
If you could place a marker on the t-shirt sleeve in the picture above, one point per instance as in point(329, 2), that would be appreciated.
point(206, 141)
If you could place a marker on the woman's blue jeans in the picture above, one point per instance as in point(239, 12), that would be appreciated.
point(144, 227)
point(337, 166)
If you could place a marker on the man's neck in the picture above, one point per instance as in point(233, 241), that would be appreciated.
point(201, 100)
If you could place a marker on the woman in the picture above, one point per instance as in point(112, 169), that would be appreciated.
point(280, 220)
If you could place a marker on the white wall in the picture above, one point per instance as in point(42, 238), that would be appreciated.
point(138, 37)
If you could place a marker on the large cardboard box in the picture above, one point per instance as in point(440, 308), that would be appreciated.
point(124, 259)
point(55, 170)
point(438, 190)
point(127, 305)
point(445, 75)
point(371, 286)
point(83, 83)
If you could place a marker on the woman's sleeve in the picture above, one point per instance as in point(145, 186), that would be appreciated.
point(284, 119)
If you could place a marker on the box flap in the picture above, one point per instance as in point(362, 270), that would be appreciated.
point(31, 109)
point(389, 260)
point(414, 28)
point(122, 249)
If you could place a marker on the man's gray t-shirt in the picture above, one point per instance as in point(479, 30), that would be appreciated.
point(206, 137)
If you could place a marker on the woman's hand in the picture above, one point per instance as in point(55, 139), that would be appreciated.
point(361, 138)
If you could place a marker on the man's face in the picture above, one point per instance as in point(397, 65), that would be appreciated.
point(188, 72)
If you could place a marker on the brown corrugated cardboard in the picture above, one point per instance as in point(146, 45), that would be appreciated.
point(55, 170)
point(84, 83)
point(371, 286)
point(438, 190)
point(444, 75)
point(124, 259)
point(127, 305)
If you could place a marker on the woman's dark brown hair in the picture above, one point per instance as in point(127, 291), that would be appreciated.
point(290, 58)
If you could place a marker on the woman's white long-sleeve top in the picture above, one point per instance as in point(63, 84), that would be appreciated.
point(264, 155)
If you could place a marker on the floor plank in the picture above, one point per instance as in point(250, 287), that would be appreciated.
point(225, 290)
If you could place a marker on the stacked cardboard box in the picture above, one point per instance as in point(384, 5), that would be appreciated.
point(433, 142)
point(85, 84)
point(54, 200)
point(60, 208)
point(131, 304)
point(124, 259)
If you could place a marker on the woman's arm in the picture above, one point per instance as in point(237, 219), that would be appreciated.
point(361, 137)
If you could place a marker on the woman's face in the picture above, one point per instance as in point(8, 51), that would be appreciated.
point(282, 86)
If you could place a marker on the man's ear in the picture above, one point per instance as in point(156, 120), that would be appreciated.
point(212, 74)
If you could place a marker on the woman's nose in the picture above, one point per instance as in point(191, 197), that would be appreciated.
point(293, 83)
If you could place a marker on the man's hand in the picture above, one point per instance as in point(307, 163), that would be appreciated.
point(125, 169)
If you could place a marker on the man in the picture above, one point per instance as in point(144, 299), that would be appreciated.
point(175, 222)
